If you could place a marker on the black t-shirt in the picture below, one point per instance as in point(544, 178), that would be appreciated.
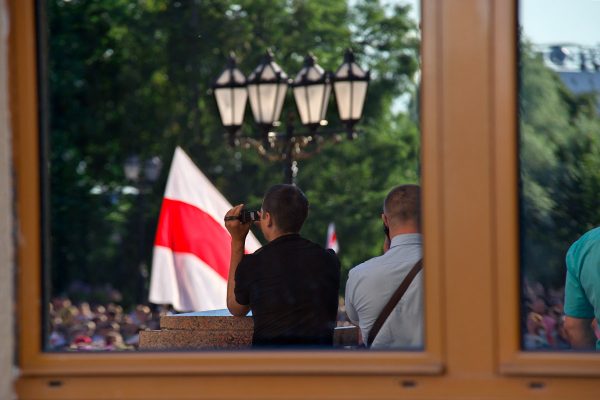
point(291, 285)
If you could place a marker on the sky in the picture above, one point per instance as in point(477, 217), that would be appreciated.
point(561, 21)
point(543, 22)
point(554, 21)
point(415, 7)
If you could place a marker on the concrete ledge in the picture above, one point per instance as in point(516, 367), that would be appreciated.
point(216, 329)
point(193, 321)
point(194, 340)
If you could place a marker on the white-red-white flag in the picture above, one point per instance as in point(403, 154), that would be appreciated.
point(332, 242)
point(192, 248)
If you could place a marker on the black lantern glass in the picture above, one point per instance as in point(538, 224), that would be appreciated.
point(312, 88)
point(267, 86)
point(132, 168)
point(350, 86)
point(231, 95)
point(152, 168)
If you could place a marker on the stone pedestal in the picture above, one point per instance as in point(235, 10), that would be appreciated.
point(217, 329)
point(206, 330)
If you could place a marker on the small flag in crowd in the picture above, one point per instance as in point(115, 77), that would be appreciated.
point(332, 242)
point(192, 248)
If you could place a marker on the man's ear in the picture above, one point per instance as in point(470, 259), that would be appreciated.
point(384, 219)
point(268, 218)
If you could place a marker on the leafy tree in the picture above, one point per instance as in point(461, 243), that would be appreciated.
point(559, 156)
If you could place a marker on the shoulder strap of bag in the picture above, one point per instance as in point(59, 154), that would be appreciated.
point(387, 310)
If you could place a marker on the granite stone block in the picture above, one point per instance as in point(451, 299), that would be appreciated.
point(216, 329)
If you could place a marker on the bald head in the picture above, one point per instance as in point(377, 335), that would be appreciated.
point(402, 206)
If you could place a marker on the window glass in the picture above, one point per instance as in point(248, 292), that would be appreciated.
point(141, 168)
point(559, 105)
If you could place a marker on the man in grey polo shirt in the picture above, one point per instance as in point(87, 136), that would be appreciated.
point(371, 284)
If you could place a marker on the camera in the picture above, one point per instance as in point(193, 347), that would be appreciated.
point(249, 216)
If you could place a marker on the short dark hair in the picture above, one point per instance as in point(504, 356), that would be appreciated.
point(403, 203)
point(288, 206)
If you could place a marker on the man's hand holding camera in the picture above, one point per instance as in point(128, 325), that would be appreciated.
point(238, 226)
point(234, 225)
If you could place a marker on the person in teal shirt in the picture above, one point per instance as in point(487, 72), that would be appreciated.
point(582, 291)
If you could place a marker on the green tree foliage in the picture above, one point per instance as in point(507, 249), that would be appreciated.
point(133, 77)
point(560, 175)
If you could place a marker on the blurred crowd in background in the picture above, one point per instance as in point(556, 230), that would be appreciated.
point(543, 318)
point(108, 327)
point(76, 327)
point(544, 325)
point(84, 327)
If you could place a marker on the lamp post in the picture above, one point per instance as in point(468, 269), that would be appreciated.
point(142, 176)
point(266, 88)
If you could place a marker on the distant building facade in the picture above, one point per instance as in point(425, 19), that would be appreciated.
point(577, 66)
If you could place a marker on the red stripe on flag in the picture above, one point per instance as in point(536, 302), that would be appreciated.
point(185, 228)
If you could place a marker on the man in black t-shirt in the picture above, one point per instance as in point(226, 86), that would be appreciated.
point(291, 284)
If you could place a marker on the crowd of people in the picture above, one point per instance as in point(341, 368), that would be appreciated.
point(544, 327)
point(85, 327)
point(77, 327)
point(543, 315)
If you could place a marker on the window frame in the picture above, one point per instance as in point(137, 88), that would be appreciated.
point(470, 203)
point(513, 359)
point(36, 362)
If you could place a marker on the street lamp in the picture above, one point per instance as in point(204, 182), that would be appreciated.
point(132, 168)
point(231, 95)
point(142, 175)
point(312, 88)
point(350, 86)
point(266, 89)
point(267, 86)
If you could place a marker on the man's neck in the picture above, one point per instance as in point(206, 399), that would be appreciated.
point(403, 230)
point(277, 235)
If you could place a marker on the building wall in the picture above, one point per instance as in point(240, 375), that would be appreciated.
point(6, 220)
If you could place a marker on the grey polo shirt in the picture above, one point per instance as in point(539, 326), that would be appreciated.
point(371, 284)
